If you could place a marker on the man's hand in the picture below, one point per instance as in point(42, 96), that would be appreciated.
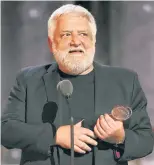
point(82, 137)
point(109, 129)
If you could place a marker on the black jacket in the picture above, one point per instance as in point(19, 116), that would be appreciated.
point(25, 127)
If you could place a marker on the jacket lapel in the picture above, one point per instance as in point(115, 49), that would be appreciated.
point(100, 105)
point(100, 89)
point(51, 79)
point(104, 99)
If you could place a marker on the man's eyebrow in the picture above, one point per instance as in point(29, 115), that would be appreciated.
point(70, 31)
point(82, 31)
point(64, 31)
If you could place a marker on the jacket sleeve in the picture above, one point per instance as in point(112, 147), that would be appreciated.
point(139, 138)
point(15, 132)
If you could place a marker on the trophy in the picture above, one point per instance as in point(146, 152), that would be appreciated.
point(121, 113)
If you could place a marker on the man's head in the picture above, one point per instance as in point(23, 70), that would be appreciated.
point(72, 37)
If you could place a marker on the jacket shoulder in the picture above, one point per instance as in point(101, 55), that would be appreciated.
point(115, 71)
point(34, 71)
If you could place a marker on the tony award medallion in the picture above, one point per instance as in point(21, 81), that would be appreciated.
point(121, 112)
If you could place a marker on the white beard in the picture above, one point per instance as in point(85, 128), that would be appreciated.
point(74, 65)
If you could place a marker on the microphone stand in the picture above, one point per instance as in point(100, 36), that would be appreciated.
point(72, 130)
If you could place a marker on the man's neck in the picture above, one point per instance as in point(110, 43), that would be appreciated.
point(88, 70)
point(83, 73)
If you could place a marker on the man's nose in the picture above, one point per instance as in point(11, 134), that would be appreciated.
point(75, 40)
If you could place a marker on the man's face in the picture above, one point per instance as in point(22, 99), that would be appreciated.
point(73, 44)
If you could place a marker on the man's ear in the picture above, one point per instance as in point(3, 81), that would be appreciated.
point(50, 44)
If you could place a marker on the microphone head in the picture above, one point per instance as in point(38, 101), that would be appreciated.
point(65, 87)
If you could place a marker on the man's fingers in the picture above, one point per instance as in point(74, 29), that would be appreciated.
point(88, 132)
point(82, 145)
point(97, 133)
point(110, 121)
point(88, 140)
point(101, 130)
point(104, 125)
point(79, 150)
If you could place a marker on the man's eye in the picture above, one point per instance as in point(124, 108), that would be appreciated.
point(83, 34)
point(65, 35)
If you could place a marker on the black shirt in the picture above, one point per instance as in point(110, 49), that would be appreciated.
point(82, 107)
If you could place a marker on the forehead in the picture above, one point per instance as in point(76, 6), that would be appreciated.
point(73, 21)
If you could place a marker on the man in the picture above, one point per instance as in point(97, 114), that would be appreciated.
point(36, 118)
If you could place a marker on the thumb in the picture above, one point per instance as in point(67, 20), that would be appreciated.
point(79, 124)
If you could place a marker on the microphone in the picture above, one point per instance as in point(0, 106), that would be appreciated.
point(66, 89)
